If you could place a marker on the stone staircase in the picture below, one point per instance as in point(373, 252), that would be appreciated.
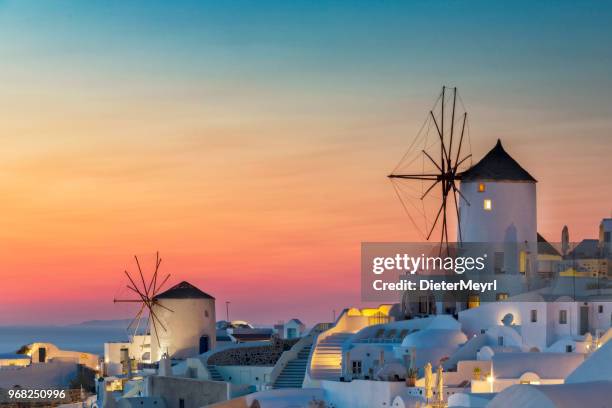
point(214, 373)
point(292, 375)
point(326, 361)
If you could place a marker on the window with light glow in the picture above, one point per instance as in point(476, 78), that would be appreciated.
point(481, 188)
point(473, 301)
point(487, 205)
point(522, 262)
point(501, 296)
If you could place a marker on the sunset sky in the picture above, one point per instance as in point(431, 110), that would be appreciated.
point(249, 142)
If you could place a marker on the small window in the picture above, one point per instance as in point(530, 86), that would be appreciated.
point(498, 262)
point(356, 367)
point(181, 403)
point(481, 188)
point(600, 309)
point(500, 340)
point(522, 261)
point(473, 301)
point(562, 316)
point(501, 296)
point(487, 205)
point(568, 348)
point(206, 313)
point(534, 316)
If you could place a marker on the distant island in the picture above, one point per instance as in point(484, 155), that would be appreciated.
point(121, 323)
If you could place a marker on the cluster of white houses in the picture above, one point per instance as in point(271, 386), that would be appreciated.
point(544, 343)
point(44, 365)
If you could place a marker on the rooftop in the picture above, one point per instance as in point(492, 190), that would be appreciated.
point(586, 249)
point(13, 356)
point(544, 247)
point(184, 290)
point(497, 165)
point(545, 365)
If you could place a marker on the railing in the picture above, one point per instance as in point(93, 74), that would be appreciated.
point(320, 328)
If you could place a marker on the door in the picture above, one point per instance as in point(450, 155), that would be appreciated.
point(42, 354)
point(584, 319)
point(291, 333)
point(203, 344)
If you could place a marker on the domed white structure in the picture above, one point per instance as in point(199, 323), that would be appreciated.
point(502, 211)
point(188, 318)
point(433, 344)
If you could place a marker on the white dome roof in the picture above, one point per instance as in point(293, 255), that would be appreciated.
point(432, 338)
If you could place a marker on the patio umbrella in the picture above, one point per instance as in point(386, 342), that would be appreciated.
point(428, 382)
point(440, 384)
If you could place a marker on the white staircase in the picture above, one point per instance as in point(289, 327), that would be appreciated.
point(292, 375)
point(326, 362)
point(215, 375)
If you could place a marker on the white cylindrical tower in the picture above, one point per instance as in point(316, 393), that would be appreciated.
point(502, 197)
point(502, 211)
point(188, 317)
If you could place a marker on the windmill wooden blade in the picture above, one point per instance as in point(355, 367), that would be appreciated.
point(154, 316)
point(460, 141)
point(163, 282)
point(429, 189)
point(164, 307)
point(145, 296)
point(154, 279)
point(458, 216)
point(428, 171)
point(140, 294)
point(458, 191)
point(432, 160)
point(137, 318)
point(130, 278)
point(435, 221)
point(144, 285)
point(152, 319)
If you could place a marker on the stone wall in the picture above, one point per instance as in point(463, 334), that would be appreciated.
point(266, 355)
point(194, 393)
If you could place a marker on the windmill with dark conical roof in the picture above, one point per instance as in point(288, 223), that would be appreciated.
point(189, 319)
point(502, 195)
point(181, 320)
point(502, 215)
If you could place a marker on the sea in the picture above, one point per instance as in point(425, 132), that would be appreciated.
point(88, 339)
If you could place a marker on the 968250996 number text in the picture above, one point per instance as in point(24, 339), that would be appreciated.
point(36, 394)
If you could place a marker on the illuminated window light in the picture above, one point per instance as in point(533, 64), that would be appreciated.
point(481, 188)
point(501, 296)
point(487, 205)
point(473, 301)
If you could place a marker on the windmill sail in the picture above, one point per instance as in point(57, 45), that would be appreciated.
point(426, 178)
